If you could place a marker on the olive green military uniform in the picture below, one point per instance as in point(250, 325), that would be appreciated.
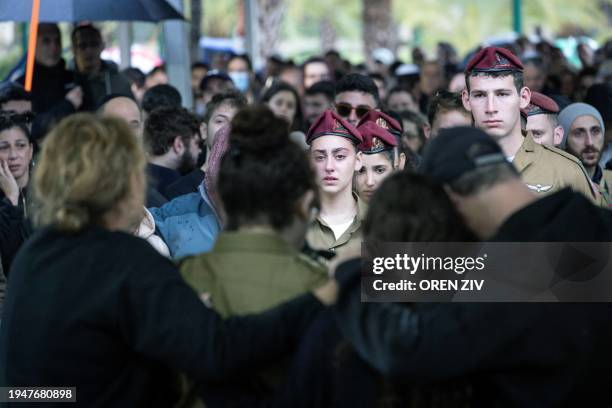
point(251, 272)
point(248, 273)
point(546, 170)
point(321, 237)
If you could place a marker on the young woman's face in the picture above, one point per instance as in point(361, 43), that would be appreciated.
point(374, 169)
point(334, 161)
point(16, 151)
point(284, 105)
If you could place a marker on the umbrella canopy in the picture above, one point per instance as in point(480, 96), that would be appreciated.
point(89, 10)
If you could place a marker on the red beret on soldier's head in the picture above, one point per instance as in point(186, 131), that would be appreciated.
point(330, 124)
point(383, 120)
point(375, 138)
point(541, 104)
point(494, 59)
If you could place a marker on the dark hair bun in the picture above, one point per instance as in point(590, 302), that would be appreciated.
point(257, 130)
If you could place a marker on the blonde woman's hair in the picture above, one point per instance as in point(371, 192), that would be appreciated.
point(86, 168)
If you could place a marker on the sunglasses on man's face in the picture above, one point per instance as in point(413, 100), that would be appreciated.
point(345, 109)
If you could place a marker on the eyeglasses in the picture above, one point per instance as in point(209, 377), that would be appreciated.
point(345, 109)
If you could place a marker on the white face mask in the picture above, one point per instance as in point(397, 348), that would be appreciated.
point(241, 80)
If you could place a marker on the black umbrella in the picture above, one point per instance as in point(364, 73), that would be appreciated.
point(36, 11)
point(89, 10)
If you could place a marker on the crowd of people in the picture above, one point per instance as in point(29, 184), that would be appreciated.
point(160, 255)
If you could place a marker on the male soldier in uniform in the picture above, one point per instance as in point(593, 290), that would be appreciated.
point(334, 158)
point(495, 94)
point(584, 138)
point(542, 120)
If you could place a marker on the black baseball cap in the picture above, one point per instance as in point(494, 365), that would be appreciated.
point(456, 151)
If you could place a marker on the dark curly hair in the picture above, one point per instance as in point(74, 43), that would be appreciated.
point(160, 95)
point(264, 173)
point(359, 83)
point(164, 124)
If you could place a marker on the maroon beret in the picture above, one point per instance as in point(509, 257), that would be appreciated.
point(383, 120)
point(375, 138)
point(329, 123)
point(541, 104)
point(494, 59)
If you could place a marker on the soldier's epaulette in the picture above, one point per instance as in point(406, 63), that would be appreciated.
point(562, 153)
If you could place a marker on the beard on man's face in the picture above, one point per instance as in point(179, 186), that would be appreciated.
point(588, 156)
point(187, 163)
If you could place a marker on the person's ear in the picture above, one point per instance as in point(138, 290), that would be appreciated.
point(402, 161)
point(525, 97)
point(358, 160)
point(558, 135)
point(178, 146)
point(465, 98)
point(427, 131)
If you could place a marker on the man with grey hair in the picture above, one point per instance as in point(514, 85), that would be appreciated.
point(583, 137)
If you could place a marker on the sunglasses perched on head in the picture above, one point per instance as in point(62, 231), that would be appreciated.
point(344, 109)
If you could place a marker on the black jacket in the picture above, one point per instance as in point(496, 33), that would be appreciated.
point(49, 88)
point(187, 184)
point(15, 228)
point(565, 216)
point(543, 355)
point(104, 312)
point(161, 177)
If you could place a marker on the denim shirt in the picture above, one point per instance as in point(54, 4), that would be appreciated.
point(188, 224)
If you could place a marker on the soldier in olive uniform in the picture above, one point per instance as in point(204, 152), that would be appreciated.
point(542, 121)
point(335, 158)
point(381, 136)
point(495, 94)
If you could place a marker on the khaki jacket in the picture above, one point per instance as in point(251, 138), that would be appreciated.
point(546, 170)
point(321, 237)
point(605, 186)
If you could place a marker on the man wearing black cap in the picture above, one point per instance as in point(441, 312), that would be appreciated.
point(495, 94)
point(488, 191)
point(512, 354)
